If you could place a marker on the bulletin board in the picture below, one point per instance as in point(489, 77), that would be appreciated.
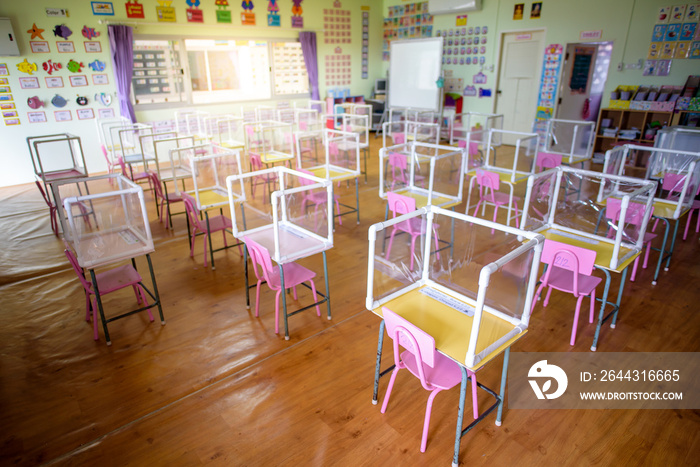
point(414, 69)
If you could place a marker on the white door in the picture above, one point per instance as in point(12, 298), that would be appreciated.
point(519, 79)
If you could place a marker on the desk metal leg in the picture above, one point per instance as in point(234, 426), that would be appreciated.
point(380, 343)
point(619, 296)
point(460, 416)
point(155, 289)
point(328, 290)
point(502, 392)
point(211, 248)
point(673, 243)
point(357, 200)
point(601, 315)
point(284, 303)
point(99, 305)
point(663, 250)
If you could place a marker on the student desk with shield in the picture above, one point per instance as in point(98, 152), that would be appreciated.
point(281, 225)
point(119, 230)
point(577, 221)
point(678, 175)
point(475, 302)
point(335, 168)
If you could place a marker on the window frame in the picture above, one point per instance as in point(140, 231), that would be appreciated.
point(187, 91)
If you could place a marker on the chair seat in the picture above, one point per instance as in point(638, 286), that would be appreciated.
point(217, 223)
point(504, 198)
point(444, 374)
point(564, 281)
point(117, 278)
point(294, 274)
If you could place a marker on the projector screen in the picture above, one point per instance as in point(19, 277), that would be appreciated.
point(414, 68)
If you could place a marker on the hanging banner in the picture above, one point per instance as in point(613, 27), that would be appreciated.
point(134, 9)
point(549, 81)
point(297, 19)
point(223, 14)
point(164, 12)
point(273, 17)
point(247, 16)
point(194, 14)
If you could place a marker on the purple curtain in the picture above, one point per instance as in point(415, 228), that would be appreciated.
point(308, 48)
point(122, 52)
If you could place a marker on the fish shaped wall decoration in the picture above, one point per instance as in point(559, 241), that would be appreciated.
point(26, 67)
point(97, 65)
point(75, 67)
point(58, 101)
point(89, 33)
point(34, 102)
point(61, 30)
point(50, 66)
point(81, 100)
point(35, 32)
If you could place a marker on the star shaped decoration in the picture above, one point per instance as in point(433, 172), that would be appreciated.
point(36, 32)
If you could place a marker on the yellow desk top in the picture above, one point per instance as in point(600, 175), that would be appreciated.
point(604, 250)
point(213, 197)
point(503, 176)
point(272, 157)
point(666, 209)
point(450, 328)
point(422, 200)
point(334, 174)
point(232, 145)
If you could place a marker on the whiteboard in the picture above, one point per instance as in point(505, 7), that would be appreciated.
point(414, 68)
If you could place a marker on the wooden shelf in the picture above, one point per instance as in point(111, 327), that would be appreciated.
point(626, 119)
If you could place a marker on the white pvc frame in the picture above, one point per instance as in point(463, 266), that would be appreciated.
point(535, 241)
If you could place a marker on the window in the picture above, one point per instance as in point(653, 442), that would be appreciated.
point(217, 70)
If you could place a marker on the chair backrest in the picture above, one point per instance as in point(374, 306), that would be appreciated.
point(413, 339)
point(192, 211)
point(473, 146)
point(398, 138)
point(255, 161)
point(573, 258)
point(305, 181)
point(262, 264)
point(398, 161)
point(43, 195)
point(673, 183)
point(488, 180)
point(78, 270)
point(400, 204)
point(634, 214)
point(547, 160)
point(157, 187)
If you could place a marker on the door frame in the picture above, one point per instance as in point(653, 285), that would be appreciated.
point(498, 58)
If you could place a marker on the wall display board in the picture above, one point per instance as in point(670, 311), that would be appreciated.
point(414, 69)
point(336, 25)
point(405, 22)
point(675, 35)
point(549, 82)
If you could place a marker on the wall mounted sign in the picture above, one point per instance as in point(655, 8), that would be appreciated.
point(102, 8)
point(54, 82)
point(65, 47)
point(29, 82)
point(273, 17)
point(39, 47)
point(92, 46)
point(100, 79)
point(56, 12)
point(297, 18)
point(36, 117)
point(549, 81)
point(62, 115)
point(194, 14)
point(591, 35)
point(105, 113)
point(85, 114)
point(78, 80)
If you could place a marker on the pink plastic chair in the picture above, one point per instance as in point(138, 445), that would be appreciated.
point(415, 227)
point(569, 270)
point(694, 208)
point(489, 183)
point(473, 151)
point(164, 200)
point(317, 199)
point(633, 216)
point(547, 160)
point(294, 275)
point(216, 224)
point(435, 371)
point(398, 138)
point(108, 281)
point(52, 208)
point(263, 179)
point(673, 184)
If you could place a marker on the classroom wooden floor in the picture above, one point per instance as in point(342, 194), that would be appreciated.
point(217, 386)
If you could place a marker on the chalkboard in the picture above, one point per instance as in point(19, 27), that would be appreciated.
point(414, 69)
point(579, 73)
